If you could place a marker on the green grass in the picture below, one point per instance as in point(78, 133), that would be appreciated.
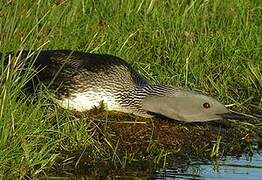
point(212, 46)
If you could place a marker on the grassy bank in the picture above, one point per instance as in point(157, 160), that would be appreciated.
point(210, 46)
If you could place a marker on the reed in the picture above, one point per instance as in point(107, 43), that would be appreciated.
point(210, 46)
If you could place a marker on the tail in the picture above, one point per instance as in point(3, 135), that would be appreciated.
point(3, 59)
point(6, 57)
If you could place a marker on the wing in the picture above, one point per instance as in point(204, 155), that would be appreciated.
point(63, 70)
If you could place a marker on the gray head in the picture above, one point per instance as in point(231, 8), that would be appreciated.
point(189, 106)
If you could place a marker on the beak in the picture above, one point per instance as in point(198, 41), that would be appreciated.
point(237, 115)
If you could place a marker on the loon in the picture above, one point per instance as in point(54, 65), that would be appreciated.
point(81, 81)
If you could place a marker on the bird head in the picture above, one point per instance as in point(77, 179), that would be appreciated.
point(189, 106)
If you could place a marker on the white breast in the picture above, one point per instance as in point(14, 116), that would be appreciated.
point(88, 100)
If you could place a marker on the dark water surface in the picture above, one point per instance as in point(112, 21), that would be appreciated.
point(230, 168)
point(241, 167)
point(244, 167)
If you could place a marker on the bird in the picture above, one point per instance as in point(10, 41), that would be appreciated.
point(82, 81)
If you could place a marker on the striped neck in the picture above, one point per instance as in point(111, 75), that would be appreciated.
point(154, 90)
point(132, 102)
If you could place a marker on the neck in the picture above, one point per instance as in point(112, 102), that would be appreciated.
point(135, 99)
point(151, 90)
point(155, 90)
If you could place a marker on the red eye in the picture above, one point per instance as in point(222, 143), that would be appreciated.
point(206, 105)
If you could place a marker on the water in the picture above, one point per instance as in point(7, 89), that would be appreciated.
point(231, 168)
point(241, 167)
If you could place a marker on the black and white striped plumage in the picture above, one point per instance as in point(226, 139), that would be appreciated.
point(81, 81)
